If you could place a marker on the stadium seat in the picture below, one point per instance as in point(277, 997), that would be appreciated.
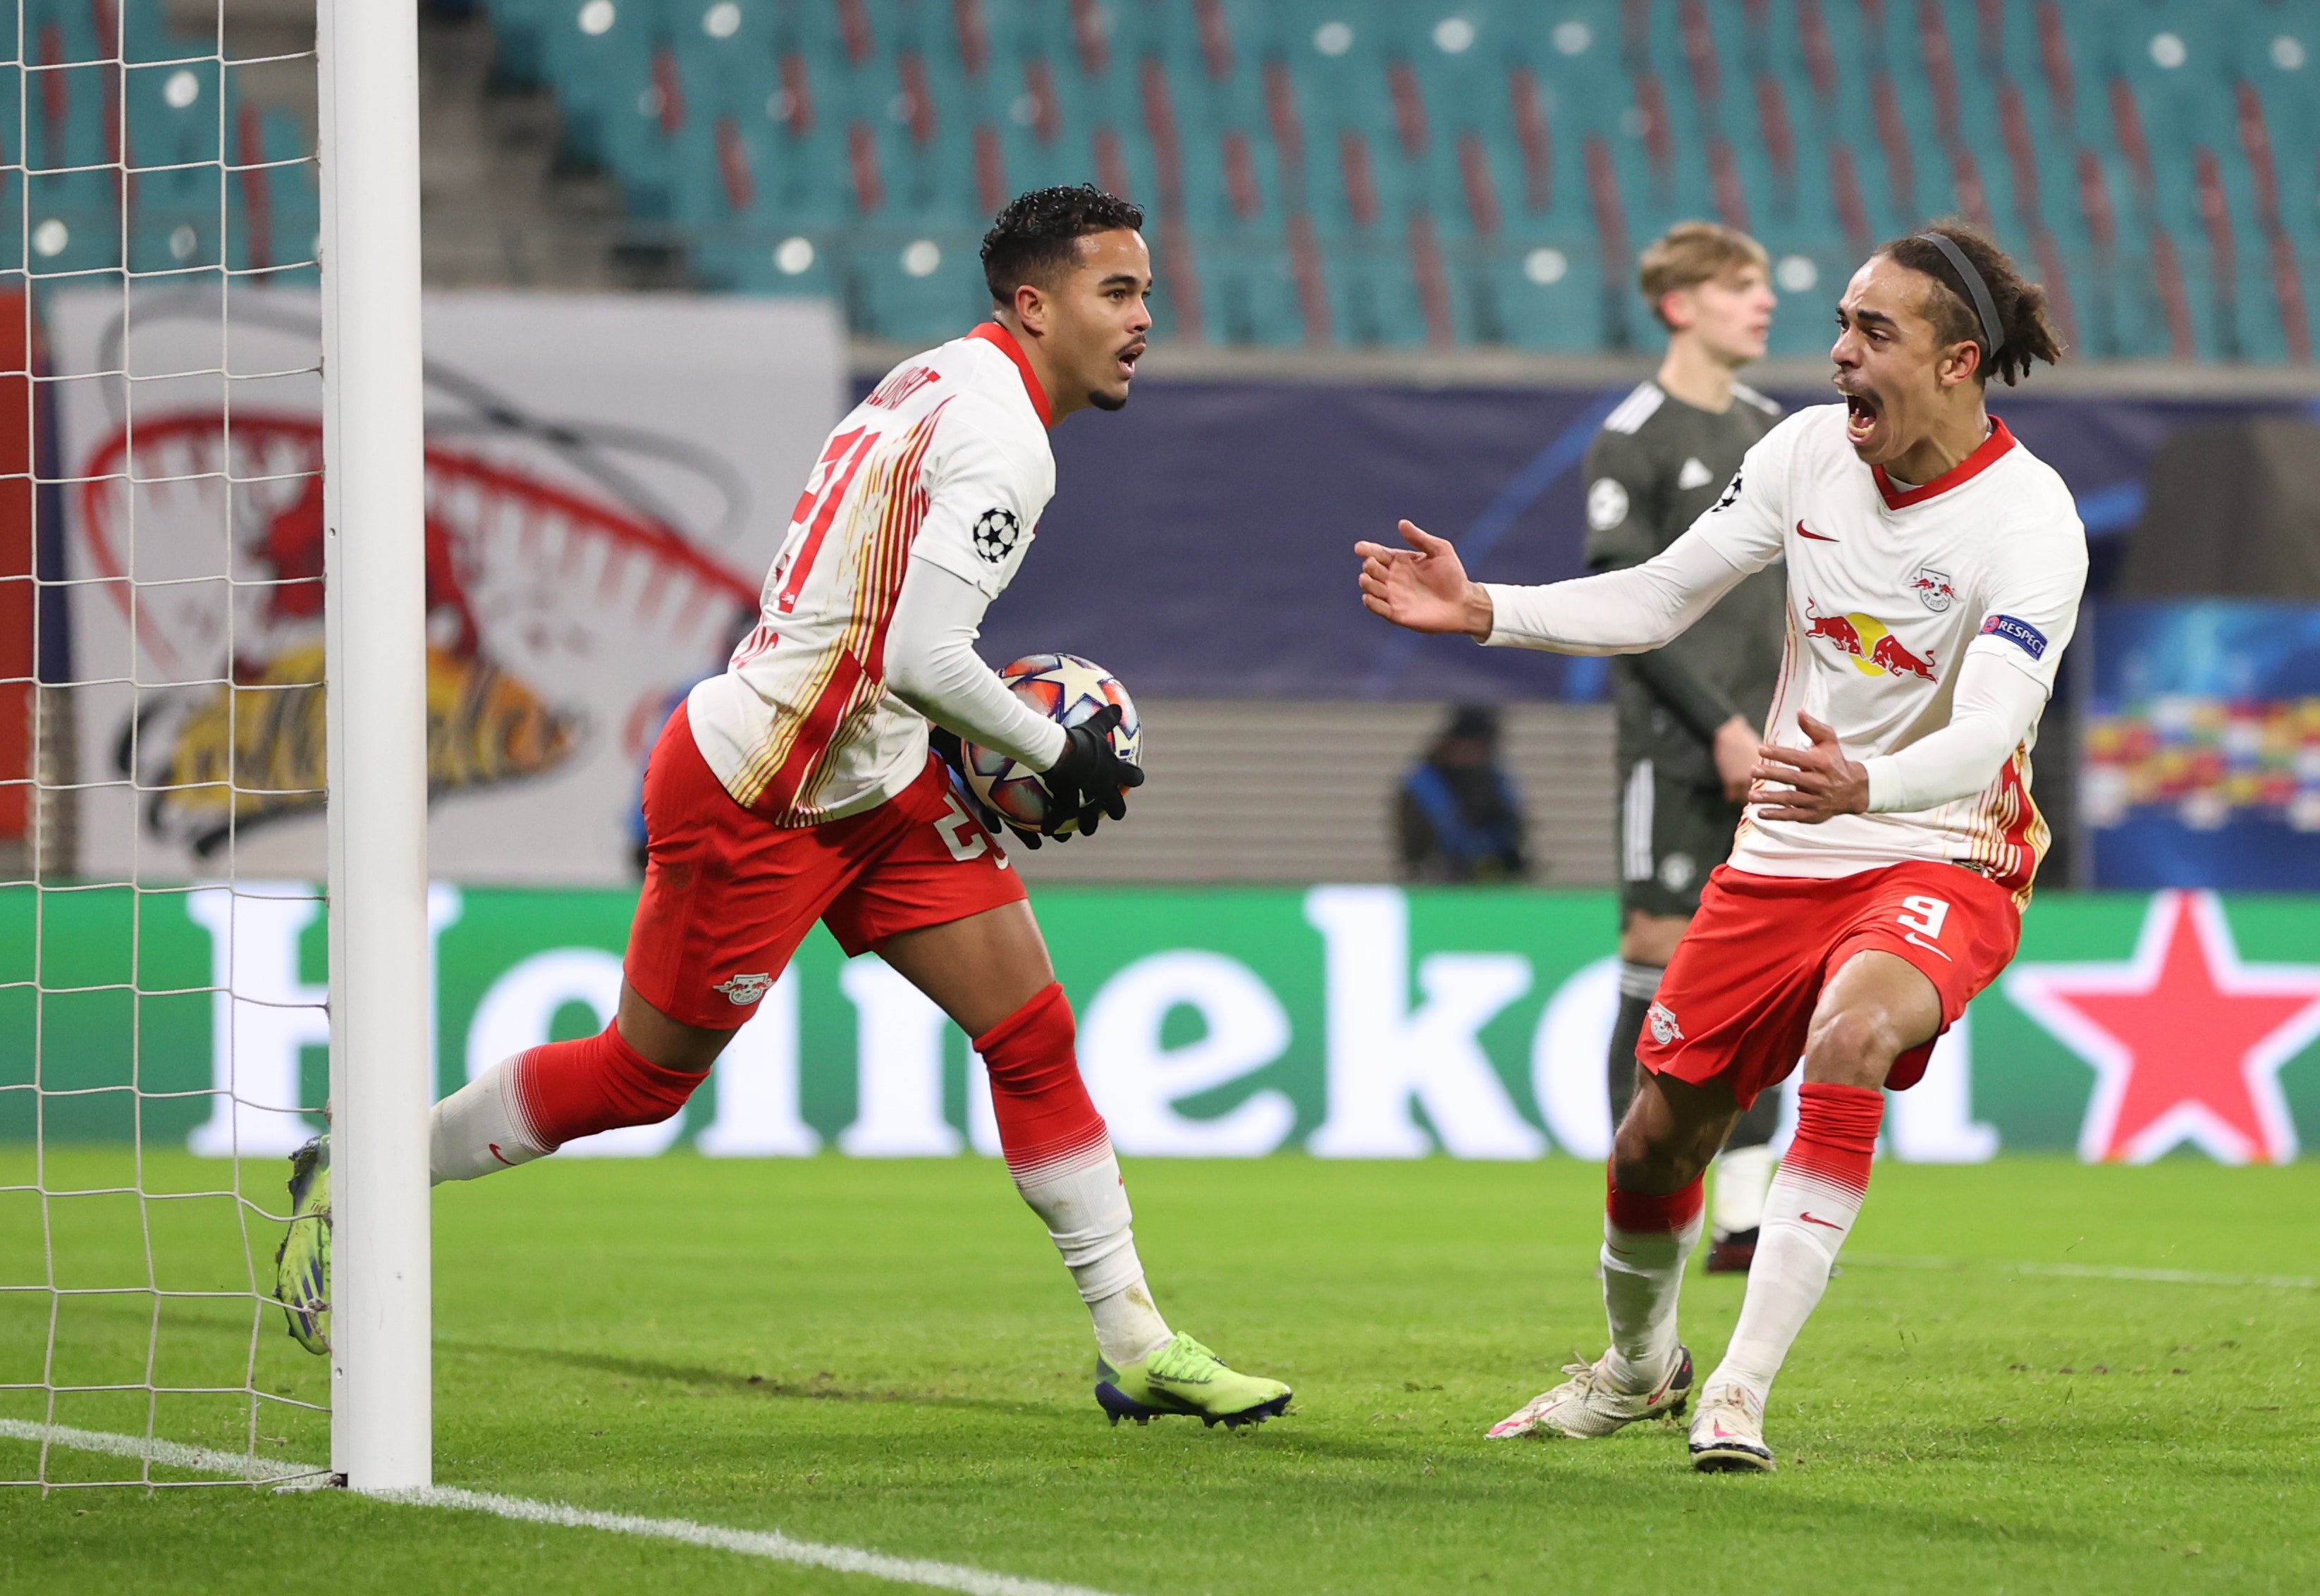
point(1291, 198)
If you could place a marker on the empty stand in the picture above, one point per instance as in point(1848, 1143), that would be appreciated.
point(1377, 172)
point(1215, 810)
point(139, 152)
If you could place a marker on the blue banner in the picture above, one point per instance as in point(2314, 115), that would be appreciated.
point(2202, 745)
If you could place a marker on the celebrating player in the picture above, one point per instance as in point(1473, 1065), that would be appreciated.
point(799, 785)
point(1935, 568)
point(1688, 713)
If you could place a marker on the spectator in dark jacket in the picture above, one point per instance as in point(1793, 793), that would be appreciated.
point(1458, 815)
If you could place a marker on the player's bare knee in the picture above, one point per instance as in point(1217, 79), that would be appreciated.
point(1852, 1047)
point(1652, 1165)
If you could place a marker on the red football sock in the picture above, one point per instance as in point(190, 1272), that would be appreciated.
point(1808, 1214)
point(1640, 1212)
point(1061, 1158)
point(1046, 1122)
point(1836, 1135)
point(569, 1089)
point(1645, 1240)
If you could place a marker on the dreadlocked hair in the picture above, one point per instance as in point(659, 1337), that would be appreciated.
point(2021, 304)
point(1039, 234)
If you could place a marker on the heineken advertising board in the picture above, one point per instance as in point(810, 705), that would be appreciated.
point(1348, 1022)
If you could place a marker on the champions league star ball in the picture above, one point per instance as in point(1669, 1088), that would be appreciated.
point(1068, 690)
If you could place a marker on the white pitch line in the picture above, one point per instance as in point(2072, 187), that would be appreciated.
point(770, 1544)
point(750, 1543)
point(198, 1460)
point(2286, 1283)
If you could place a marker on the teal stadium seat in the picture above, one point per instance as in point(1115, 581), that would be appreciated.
point(107, 90)
point(2173, 206)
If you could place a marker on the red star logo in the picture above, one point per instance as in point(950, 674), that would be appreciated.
point(2186, 1040)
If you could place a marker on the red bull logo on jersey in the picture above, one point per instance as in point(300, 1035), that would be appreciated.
point(1874, 650)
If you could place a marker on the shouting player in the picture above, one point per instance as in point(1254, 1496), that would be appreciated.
point(799, 785)
point(1688, 714)
point(1935, 568)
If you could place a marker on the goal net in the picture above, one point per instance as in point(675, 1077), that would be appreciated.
point(174, 689)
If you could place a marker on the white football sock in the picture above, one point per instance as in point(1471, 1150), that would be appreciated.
point(1127, 1323)
point(481, 1129)
point(1806, 1218)
point(1742, 1177)
point(1643, 1276)
point(1083, 1202)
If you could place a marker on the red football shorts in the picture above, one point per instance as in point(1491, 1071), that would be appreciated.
point(728, 897)
point(1738, 996)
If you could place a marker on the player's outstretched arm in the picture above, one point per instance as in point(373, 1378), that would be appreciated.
point(1424, 586)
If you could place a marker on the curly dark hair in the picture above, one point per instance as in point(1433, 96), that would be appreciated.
point(2021, 304)
point(1039, 234)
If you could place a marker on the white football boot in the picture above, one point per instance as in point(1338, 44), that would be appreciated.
point(1728, 1432)
point(1591, 1404)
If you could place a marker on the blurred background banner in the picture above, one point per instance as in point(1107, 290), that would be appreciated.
point(1253, 544)
point(606, 478)
point(2202, 743)
point(1345, 1021)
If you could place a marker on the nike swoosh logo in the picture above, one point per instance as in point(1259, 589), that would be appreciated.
point(497, 1153)
point(1816, 536)
point(1722, 1434)
point(1825, 1224)
point(1920, 941)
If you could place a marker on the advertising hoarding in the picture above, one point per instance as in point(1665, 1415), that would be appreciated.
point(1347, 1022)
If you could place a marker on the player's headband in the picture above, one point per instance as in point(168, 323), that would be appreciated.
point(1983, 306)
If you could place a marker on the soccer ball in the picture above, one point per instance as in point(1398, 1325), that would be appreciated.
point(1066, 689)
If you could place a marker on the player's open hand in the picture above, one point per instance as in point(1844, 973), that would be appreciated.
point(1424, 586)
point(1809, 785)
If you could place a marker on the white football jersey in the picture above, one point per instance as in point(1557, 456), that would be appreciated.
point(946, 460)
point(1889, 589)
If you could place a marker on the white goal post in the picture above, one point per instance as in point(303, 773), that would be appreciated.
point(213, 673)
point(374, 621)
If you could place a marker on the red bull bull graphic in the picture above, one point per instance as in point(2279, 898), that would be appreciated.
point(1874, 649)
point(1837, 629)
point(1934, 589)
point(1899, 661)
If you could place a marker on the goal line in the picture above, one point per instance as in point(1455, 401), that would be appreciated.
point(768, 1544)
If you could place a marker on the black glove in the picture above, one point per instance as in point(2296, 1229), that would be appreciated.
point(943, 741)
point(1090, 781)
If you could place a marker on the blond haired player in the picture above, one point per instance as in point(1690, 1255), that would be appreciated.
point(799, 785)
point(1934, 567)
point(1690, 714)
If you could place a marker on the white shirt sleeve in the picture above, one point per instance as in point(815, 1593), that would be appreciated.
point(1991, 713)
point(985, 497)
point(1624, 612)
point(932, 666)
point(2030, 594)
point(1646, 606)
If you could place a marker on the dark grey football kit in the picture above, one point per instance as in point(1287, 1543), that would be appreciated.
point(1655, 469)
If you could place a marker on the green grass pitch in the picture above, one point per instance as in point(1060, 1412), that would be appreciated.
point(887, 1355)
